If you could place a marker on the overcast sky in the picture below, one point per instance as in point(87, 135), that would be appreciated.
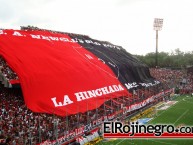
point(128, 23)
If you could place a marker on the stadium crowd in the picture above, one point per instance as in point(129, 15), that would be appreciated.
point(7, 71)
point(180, 79)
point(20, 126)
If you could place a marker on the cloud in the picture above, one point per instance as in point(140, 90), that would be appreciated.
point(6, 10)
point(128, 23)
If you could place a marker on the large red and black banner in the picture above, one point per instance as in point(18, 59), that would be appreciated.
point(130, 71)
point(67, 73)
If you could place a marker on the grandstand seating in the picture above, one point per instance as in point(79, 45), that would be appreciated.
point(19, 125)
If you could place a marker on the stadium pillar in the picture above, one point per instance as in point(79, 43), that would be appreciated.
point(156, 53)
point(39, 129)
point(158, 23)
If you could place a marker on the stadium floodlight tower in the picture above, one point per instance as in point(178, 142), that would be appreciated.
point(158, 23)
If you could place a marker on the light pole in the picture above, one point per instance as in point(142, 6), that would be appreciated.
point(158, 23)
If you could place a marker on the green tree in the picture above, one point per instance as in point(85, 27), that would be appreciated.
point(176, 58)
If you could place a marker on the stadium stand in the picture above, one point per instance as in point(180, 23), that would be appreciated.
point(21, 126)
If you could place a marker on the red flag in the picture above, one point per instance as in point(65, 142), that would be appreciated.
point(56, 74)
